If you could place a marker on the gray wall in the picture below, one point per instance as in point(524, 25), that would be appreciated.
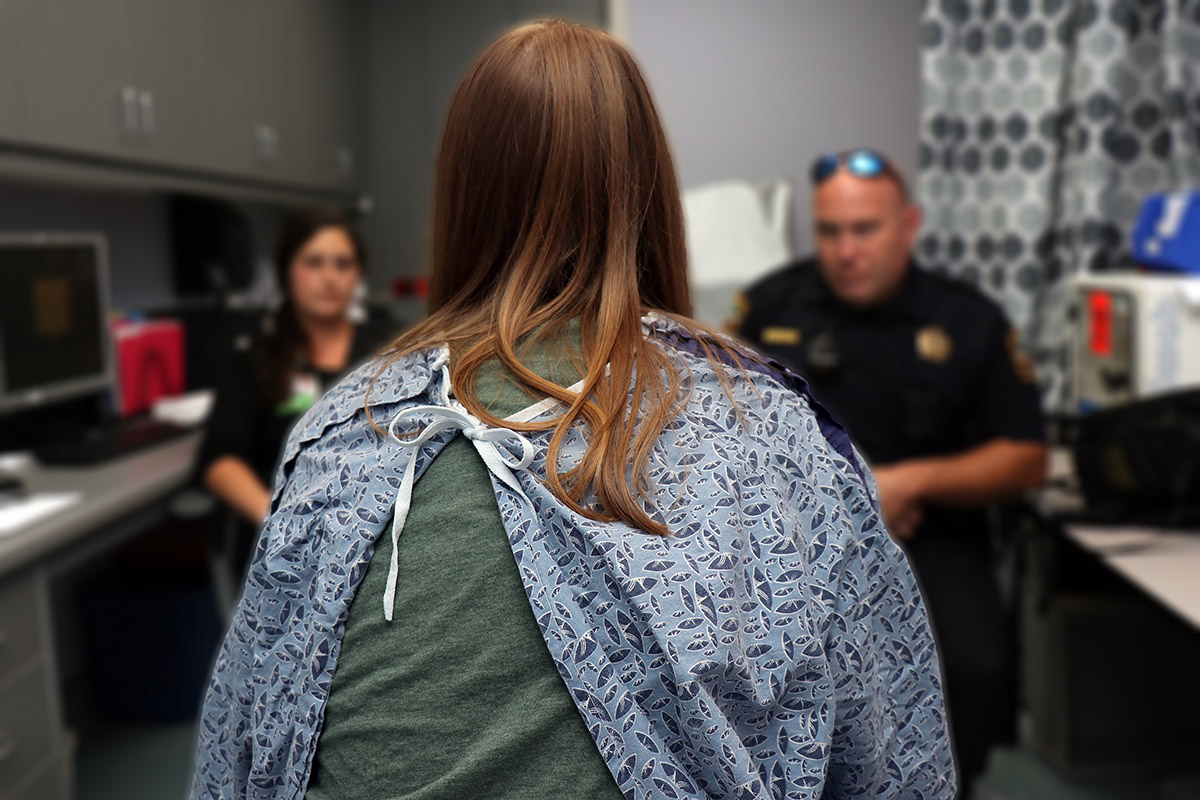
point(755, 89)
point(417, 52)
point(135, 226)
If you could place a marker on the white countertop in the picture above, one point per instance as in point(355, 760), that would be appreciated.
point(1163, 563)
point(107, 491)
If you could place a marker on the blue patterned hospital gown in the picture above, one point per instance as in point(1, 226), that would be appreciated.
point(773, 646)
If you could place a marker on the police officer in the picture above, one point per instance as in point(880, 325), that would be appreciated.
point(923, 371)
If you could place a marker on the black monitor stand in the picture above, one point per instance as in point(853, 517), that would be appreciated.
point(52, 423)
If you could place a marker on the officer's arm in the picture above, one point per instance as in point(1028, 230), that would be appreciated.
point(998, 469)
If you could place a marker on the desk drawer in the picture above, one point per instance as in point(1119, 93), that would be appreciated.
point(25, 725)
point(49, 784)
point(19, 629)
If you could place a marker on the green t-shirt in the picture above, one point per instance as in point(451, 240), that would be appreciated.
point(458, 697)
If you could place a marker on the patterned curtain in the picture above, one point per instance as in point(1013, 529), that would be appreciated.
point(1045, 124)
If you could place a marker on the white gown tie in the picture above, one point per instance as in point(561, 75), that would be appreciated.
point(500, 462)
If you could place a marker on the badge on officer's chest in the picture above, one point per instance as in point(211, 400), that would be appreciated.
point(934, 344)
point(1022, 365)
point(780, 336)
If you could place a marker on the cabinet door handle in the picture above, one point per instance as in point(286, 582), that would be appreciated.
point(273, 139)
point(262, 142)
point(345, 162)
point(129, 109)
point(146, 105)
point(8, 746)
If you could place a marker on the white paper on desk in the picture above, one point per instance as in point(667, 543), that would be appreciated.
point(1118, 540)
point(186, 409)
point(19, 514)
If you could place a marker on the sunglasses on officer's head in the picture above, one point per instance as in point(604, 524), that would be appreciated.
point(861, 163)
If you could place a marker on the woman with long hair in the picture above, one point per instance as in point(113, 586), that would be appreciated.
point(307, 344)
point(562, 541)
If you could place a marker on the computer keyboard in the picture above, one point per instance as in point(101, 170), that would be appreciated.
point(97, 445)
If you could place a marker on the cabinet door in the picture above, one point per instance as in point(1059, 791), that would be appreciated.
point(162, 61)
point(49, 784)
point(332, 73)
point(73, 90)
point(256, 91)
point(20, 629)
point(228, 87)
point(28, 729)
point(9, 84)
point(279, 93)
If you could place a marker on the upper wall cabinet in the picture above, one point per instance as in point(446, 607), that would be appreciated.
point(162, 66)
point(267, 91)
point(284, 83)
point(283, 113)
point(70, 73)
point(330, 68)
point(249, 84)
point(8, 70)
point(252, 90)
point(228, 91)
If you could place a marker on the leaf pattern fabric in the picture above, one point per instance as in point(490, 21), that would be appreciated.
point(773, 646)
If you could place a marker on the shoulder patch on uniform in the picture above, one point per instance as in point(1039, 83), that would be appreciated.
point(1022, 364)
point(737, 313)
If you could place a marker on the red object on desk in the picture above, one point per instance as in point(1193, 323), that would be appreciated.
point(149, 362)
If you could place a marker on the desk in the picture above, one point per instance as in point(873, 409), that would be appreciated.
point(1164, 564)
point(121, 498)
point(1083, 633)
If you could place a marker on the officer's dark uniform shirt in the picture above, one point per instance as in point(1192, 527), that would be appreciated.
point(931, 373)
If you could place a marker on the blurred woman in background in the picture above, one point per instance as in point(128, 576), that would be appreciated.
point(307, 345)
point(650, 567)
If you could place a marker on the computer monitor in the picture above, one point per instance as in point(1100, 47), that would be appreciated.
point(54, 342)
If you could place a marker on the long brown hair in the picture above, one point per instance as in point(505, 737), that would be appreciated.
point(556, 200)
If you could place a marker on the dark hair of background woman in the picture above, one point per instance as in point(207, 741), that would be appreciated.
point(285, 341)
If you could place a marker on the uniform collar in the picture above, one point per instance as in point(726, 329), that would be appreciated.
point(909, 298)
point(906, 302)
